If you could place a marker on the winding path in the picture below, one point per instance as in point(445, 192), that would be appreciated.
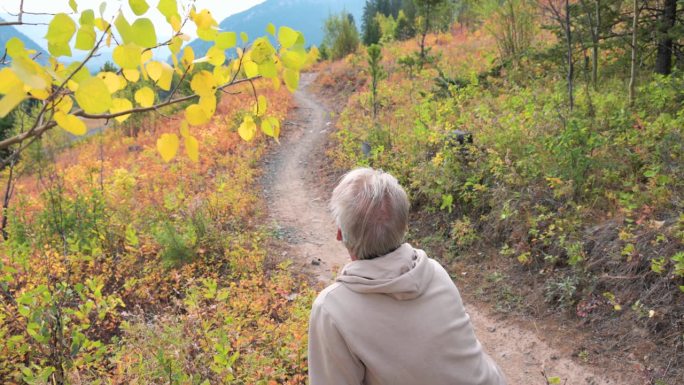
point(300, 217)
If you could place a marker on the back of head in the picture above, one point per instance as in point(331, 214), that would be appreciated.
point(371, 209)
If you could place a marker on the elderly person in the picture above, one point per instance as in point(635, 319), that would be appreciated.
point(393, 316)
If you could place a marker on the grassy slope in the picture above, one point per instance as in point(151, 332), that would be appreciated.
point(164, 270)
point(573, 217)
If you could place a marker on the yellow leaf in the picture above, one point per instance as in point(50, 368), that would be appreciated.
point(143, 33)
point(154, 69)
point(270, 29)
point(247, 129)
point(251, 68)
point(225, 40)
point(188, 57)
point(9, 81)
point(196, 115)
point(268, 69)
point(127, 56)
point(262, 50)
point(260, 107)
point(11, 100)
point(70, 123)
point(244, 37)
point(271, 127)
point(15, 47)
point(30, 72)
point(184, 129)
point(175, 45)
point(120, 105)
point(39, 94)
point(287, 36)
point(132, 75)
point(144, 97)
point(216, 56)
point(207, 34)
point(85, 38)
point(221, 74)
point(168, 8)
point(167, 145)
point(166, 77)
point(293, 59)
point(203, 19)
point(73, 6)
point(64, 104)
point(208, 104)
point(112, 81)
point(145, 57)
point(203, 83)
point(276, 83)
point(291, 79)
point(192, 148)
point(138, 7)
point(123, 28)
point(60, 31)
point(93, 96)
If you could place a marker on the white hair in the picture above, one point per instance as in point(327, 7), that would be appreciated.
point(371, 209)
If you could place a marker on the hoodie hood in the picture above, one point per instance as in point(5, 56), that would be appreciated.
point(403, 274)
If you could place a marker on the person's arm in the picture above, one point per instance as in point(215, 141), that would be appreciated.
point(330, 361)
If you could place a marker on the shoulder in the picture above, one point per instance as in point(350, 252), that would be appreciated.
point(324, 296)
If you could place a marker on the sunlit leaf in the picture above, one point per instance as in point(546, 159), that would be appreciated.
point(188, 57)
point(168, 8)
point(144, 97)
point(167, 145)
point(138, 7)
point(127, 56)
point(154, 70)
point(208, 104)
point(11, 100)
point(221, 74)
point(207, 34)
point(124, 28)
point(262, 50)
point(120, 105)
point(112, 81)
point(192, 148)
point(132, 75)
point(203, 83)
point(251, 68)
point(226, 40)
point(87, 18)
point(270, 126)
point(64, 104)
point(60, 31)
point(166, 77)
point(85, 38)
point(184, 129)
point(30, 72)
point(287, 36)
point(93, 96)
point(244, 37)
point(260, 107)
point(203, 19)
point(196, 115)
point(15, 47)
point(247, 129)
point(291, 79)
point(70, 123)
point(268, 69)
point(270, 29)
point(73, 5)
point(143, 33)
point(216, 56)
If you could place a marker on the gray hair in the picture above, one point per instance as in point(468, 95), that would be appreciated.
point(371, 209)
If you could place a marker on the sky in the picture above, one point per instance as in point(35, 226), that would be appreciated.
point(220, 9)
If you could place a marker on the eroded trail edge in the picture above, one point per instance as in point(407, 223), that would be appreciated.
point(299, 216)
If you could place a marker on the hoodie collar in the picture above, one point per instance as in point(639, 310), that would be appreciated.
point(402, 274)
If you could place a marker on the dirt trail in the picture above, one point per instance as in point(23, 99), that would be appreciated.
point(299, 214)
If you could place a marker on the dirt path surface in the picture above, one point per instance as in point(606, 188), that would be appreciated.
point(298, 211)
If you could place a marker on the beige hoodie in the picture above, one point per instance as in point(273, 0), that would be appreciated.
point(394, 320)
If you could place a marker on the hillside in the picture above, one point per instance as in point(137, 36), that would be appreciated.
point(306, 16)
point(9, 32)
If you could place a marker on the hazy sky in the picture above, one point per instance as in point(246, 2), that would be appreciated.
point(219, 8)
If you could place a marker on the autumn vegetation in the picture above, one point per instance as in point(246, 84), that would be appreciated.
point(543, 154)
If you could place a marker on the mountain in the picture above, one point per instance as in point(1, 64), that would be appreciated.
point(9, 31)
point(306, 16)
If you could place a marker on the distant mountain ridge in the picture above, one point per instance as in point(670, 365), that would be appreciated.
point(307, 16)
point(9, 31)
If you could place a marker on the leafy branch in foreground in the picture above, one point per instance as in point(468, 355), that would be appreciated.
point(68, 93)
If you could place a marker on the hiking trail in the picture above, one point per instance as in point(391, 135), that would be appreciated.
point(297, 208)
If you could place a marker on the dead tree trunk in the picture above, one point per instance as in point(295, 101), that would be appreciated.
point(666, 22)
point(633, 61)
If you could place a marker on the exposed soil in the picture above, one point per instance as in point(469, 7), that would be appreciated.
point(297, 205)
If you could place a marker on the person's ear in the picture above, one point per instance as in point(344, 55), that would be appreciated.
point(339, 234)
